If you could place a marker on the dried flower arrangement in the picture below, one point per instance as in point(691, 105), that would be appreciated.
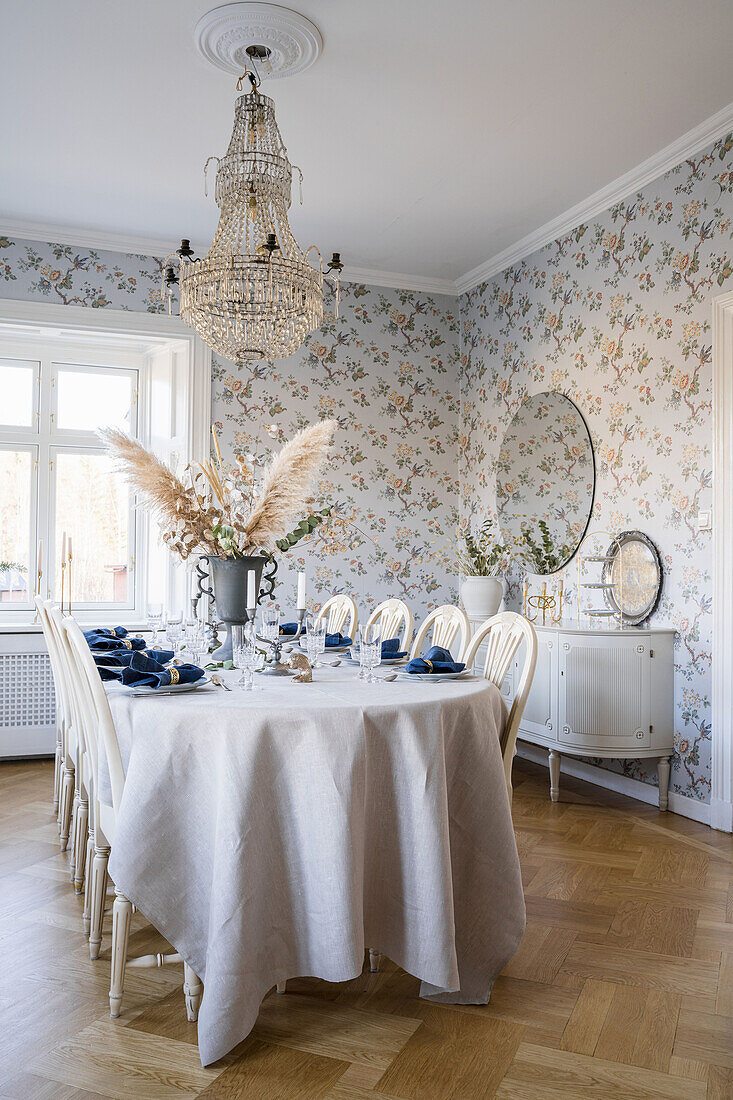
point(228, 514)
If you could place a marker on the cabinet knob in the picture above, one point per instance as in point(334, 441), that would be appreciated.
point(566, 645)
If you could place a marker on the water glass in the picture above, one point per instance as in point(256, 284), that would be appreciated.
point(370, 657)
point(271, 623)
point(355, 652)
point(155, 620)
point(315, 640)
point(245, 654)
point(195, 639)
point(174, 629)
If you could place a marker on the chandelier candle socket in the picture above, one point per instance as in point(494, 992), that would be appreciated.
point(256, 294)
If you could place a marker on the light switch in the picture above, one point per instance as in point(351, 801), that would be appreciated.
point(704, 521)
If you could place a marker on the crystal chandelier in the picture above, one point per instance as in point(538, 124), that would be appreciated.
point(256, 294)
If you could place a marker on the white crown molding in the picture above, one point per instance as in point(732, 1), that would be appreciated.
point(595, 204)
point(149, 246)
point(398, 280)
point(632, 181)
point(88, 238)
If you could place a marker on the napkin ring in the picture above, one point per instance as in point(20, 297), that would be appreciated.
point(429, 663)
point(175, 675)
point(126, 642)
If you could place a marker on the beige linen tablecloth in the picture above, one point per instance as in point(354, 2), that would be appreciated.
point(277, 834)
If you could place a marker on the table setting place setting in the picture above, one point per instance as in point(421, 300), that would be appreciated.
point(177, 659)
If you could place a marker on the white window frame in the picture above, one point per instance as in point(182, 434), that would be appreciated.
point(177, 364)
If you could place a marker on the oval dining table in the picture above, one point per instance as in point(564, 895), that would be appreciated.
point(277, 833)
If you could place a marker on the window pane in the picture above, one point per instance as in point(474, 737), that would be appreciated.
point(17, 385)
point(89, 399)
point(92, 506)
point(15, 508)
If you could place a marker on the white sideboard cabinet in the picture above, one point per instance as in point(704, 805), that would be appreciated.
point(599, 692)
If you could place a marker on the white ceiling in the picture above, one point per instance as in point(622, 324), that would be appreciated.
point(433, 134)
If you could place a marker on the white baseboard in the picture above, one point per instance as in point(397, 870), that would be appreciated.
point(624, 784)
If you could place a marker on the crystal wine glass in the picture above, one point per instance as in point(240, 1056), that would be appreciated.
point(370, 657)
point(155, 620)
point(174, 630)
point(315, 638)
point(271, 623)
point(245, 654)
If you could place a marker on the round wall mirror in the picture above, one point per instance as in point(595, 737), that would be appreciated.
point(545, 480)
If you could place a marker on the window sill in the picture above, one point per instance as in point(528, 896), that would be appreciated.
point(35, 628)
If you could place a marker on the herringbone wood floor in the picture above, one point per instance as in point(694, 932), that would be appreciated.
point(623, 985)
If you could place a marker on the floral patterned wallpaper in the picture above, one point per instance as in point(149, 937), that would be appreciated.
point(387, 370)
point(617, 315)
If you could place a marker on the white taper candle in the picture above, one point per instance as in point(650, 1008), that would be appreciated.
point(301, 592)
point(40, 556)
point(63, 546)
point(251, 596)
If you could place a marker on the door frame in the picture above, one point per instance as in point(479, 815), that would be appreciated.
point(721, 792)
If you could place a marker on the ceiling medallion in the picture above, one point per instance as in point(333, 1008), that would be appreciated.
point(224, 35)
point(256, 294)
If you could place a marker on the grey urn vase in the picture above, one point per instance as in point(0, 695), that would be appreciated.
point(229, 592)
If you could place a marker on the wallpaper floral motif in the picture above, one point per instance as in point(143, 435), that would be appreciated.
point(617, 315)
point(387, 370)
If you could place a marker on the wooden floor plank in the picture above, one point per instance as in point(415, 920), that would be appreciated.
point(538, 1073)
point(452, 1055)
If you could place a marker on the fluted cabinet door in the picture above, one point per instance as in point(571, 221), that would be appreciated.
point(604, 688)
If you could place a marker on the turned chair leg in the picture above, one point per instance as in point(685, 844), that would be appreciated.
point(66, 803)
point(192, 990)
point(375, 960)
point(73, 834)
point(98, 875)
point(88, 860)
point(57, 779)
point(81, 826)
point(121, 914)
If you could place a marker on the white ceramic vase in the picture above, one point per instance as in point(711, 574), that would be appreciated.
point(482, 596)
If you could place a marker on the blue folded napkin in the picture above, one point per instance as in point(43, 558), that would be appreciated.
point(391, 648)
point(436, 659)
point(121, 658)
point(144, 671)
point(289, 628)
point(106, 632)
point(337, 639)
point(105, 644)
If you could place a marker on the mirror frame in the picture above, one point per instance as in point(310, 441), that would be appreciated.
point(528, 397)
point(623, 539)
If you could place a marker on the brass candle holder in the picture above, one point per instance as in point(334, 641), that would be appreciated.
point(543, 603)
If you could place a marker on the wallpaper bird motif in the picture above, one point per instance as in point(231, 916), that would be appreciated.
point(617, 315)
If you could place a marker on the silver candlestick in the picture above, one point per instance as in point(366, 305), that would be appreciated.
point(274, 666)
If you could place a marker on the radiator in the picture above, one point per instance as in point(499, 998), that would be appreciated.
point(27, 698)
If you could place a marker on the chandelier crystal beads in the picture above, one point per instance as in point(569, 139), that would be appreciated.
point(256, 294)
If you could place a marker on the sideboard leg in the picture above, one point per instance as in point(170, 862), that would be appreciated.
point(554, 775)
point(663, 778)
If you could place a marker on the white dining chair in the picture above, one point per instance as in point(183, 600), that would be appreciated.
point(82, 773)
point(450, 629)
point(391, 619)
point(340, 614)
point(66, 736)
point(99, 728)
point(503, 634)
